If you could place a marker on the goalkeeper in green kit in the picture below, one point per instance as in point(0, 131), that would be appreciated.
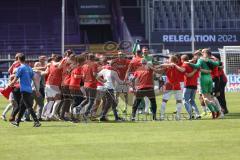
point(206, 83)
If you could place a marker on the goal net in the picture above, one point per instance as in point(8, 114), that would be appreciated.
point(230, 56)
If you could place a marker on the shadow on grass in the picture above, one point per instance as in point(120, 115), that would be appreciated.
point(49, 125)
point(232, 116)
point(59, 126)
point(141, 118)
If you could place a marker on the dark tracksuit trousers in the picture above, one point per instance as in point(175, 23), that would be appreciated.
point(26, 102)
point(145, 92)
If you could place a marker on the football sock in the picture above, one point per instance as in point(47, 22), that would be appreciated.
point(8, 107)
point(217, 104)
point(55, 107)
point(179, 108)
point(163, 108)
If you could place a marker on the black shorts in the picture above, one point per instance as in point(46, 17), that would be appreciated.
point(145, 92)
point(216, 85)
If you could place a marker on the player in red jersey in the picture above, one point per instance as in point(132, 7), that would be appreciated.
point(135, 63)
point(120, 65)
point(74, 86)
point(172, 86)
point(144, 87)
point(67, 65)
point(190, 87)
point(52, 89)
point(16, 94)
point(180, 74)
point(216, 86)
point(89, 71)
point(223, 82)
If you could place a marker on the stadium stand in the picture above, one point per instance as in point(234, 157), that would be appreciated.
point(216, 15)
point(133, 21)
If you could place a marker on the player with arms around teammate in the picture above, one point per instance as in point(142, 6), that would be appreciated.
point(74, 86)
point(120, 65)
point(206, 82)
point(172, 85)
point(144, 87)
point(89, 73)
point(190, 87)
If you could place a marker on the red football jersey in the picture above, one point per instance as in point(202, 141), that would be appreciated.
point(87, 71)
point(66, 74)
point(190, 81)
point(13, 67)
point(54, 76)
point(180, 74)
point(214, 72)
point(135, 64)
point(121, 66)
point(173, 81)
point(144, 78)
point(75, 81)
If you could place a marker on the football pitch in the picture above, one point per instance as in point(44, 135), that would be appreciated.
point(197, 139)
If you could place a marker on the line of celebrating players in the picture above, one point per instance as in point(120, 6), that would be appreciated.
point(81, 87)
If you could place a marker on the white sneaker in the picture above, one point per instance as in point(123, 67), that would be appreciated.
point(162, 118)
point(140, 112)
point(54, 118)
point(3, 117)
point(222, 115)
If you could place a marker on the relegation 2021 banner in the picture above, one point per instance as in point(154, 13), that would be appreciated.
point(199, 37)
point(205, 38)
point(181, 41)
point(233, 84)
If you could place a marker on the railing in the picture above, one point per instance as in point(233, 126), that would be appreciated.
point(29, 46)
point(4, 58)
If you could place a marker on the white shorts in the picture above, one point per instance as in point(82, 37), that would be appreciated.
point(51, 91)
point(178, 94)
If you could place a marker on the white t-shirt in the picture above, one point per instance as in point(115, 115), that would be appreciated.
point(111, 78)
point(37, 78)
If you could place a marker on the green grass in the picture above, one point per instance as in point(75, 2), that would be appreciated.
point(197, 139)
